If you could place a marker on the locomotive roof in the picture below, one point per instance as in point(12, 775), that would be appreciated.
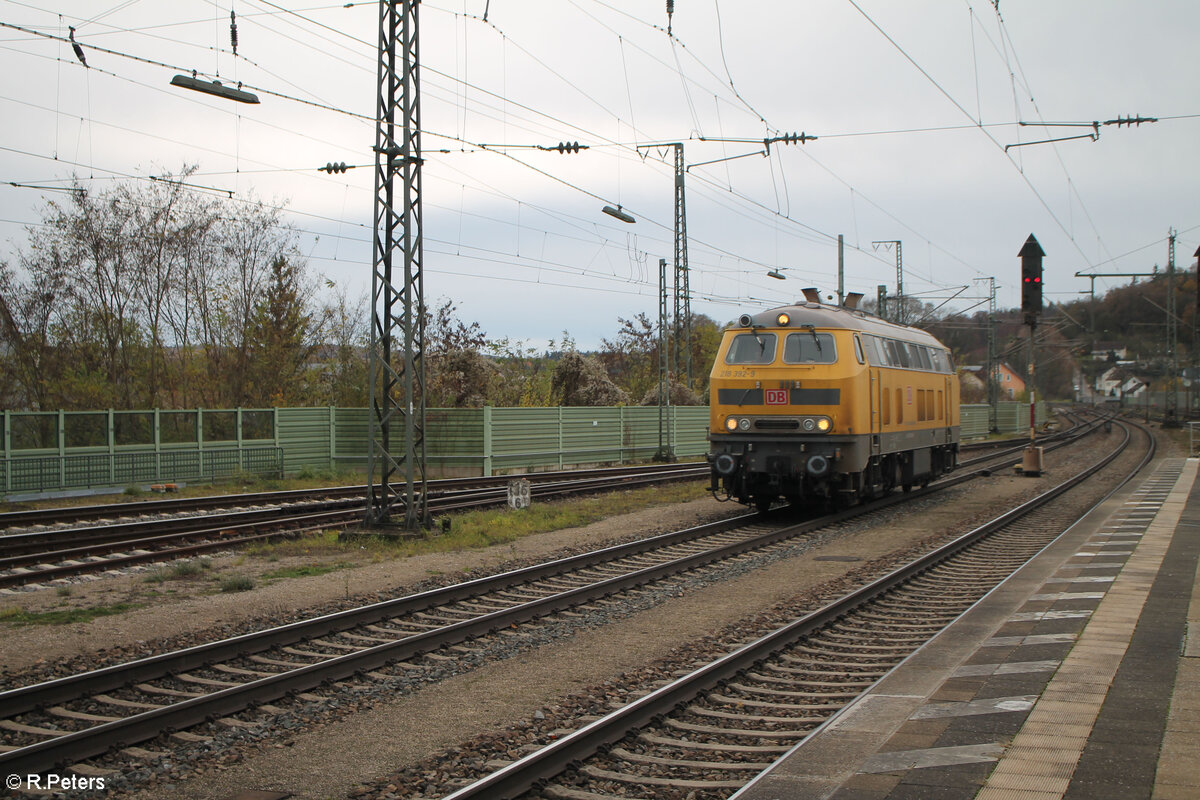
point(829, 316)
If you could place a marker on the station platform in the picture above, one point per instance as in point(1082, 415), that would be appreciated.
point(1076, 678)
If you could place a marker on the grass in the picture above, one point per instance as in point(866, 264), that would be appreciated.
point(468, 530)
point(237, 583)
point(18, 616)
point(233, 484)
point(179, 570)
point(473, 530)
point(305, 571)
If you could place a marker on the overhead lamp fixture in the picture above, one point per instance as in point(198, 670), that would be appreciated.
point(214, 88)
point(618, 213)
point(777, 275)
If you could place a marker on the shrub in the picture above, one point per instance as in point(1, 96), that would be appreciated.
point(237, 583)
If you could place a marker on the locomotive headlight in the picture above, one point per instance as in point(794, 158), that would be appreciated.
point(731, 423)
point(782, 320)
point(744, 423)
point(824, 424)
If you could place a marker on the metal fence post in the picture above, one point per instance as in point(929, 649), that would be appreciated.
point(62, 448)
point(8, 460)
point(112, 449)
point(332, 439)
point(487, 441)
point(200, 440)
point(157, 445)
point(237, 424)
point(621, 434)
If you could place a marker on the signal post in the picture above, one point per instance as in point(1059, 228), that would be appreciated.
point(1031, 306)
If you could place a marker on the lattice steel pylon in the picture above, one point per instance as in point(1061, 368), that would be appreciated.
point(899, 315)
point(993, 361)
point(683, 295)
point(665, 451)
point(1170, 396)
point(395, 463)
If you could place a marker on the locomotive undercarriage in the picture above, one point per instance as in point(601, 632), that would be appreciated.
point(827, 473)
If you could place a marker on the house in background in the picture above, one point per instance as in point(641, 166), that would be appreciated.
point(1120, 383)
point(1011, 384)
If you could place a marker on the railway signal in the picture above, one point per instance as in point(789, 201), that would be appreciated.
point(1031, 305)
point(1031, 279)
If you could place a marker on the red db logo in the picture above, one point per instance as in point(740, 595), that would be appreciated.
point(777, 397)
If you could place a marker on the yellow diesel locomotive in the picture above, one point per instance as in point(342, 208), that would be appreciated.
point(828, 405)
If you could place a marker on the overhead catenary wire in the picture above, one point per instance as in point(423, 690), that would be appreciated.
point(327, 26)
point(768, 214)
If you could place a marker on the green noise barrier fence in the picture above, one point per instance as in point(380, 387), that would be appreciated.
point(63, 450)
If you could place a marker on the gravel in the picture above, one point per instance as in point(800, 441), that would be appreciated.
point(396, 737)
point(405, 729)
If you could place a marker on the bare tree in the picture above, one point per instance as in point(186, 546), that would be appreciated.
point(154, 295)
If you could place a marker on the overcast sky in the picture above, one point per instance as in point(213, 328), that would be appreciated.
point(915, 105)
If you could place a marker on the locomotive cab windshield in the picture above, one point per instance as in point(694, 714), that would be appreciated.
point(751, 348)
point(809, 348)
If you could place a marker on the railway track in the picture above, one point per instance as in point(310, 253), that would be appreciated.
point(60, 722)
point(708, 733)
point(166, 530)
point(46, 555)
point(441, 487)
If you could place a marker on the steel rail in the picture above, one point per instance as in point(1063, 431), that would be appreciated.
point(96, 740)
point(204, 654)
point(15, 701)
point(119, 533)
point(13, 519)
point(542, 765)
point(222, 536)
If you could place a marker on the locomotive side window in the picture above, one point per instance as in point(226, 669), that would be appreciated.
point(935, 358)
point(809, 348)
point(874, 349)
point(941, 362)
point(751, 348)
point(858, 350)
point(893, 357)
point(881, 352)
